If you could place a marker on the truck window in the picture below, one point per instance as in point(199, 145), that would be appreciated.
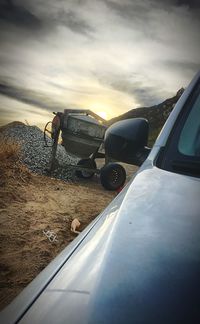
point(189, 142)
point(182, 152)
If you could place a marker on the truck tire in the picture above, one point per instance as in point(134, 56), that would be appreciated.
point(86, 163)
point(113, 176)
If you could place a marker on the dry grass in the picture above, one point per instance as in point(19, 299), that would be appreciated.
point(13, 174)
point(9, 149)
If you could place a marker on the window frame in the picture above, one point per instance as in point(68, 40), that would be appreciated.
point(170, 157)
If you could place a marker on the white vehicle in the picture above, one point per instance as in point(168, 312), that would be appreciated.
point(139, 261)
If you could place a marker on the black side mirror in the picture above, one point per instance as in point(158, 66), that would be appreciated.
point(126, 141)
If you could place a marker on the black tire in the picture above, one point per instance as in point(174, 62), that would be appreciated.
point(113, 176)
point(86, 163)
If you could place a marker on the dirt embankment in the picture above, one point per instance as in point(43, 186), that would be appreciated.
point(30, 206)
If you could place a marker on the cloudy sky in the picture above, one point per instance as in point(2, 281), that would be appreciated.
point(106, 55)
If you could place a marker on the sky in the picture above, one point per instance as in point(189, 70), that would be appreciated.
point(109, 56)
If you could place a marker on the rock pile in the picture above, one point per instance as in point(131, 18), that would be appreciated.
point(35, 154)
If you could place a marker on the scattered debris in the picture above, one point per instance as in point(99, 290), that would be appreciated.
point(52, 237)
point(74, 225)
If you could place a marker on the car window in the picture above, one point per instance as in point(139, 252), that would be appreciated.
point(189, 141)
point(182, 151)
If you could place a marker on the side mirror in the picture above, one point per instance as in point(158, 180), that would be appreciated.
point(126, 141)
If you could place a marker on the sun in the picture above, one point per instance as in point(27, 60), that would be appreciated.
point(102, 114)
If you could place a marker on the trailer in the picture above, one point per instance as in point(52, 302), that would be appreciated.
point(82, 134)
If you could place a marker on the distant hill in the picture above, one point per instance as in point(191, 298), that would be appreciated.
point(156, 115)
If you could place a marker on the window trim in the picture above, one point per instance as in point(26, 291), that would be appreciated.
point(170, 155)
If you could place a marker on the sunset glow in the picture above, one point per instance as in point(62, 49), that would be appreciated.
point(102, 114)
point(107, 56)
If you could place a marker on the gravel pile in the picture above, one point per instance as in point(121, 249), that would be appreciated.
point(34, 153)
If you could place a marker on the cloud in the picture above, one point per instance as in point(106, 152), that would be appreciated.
point(111, 54)
point(129, 9)
point(12, 110)
point(37, 16)
point(185, 66)
point(190, 3)
point(78, 90)
point(71, 20)
point(141, 90)
point(30, 97)
point(18, 15)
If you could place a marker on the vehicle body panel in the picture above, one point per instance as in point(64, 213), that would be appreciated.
point(142, 249)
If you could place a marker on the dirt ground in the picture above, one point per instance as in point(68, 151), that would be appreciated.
point(30, 206)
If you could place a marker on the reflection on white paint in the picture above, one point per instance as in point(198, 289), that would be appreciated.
point(80, 260)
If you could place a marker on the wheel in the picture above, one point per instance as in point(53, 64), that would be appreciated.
point(113, 176)
point(86, 163)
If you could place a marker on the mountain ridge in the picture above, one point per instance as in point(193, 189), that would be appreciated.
point(156, 115)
